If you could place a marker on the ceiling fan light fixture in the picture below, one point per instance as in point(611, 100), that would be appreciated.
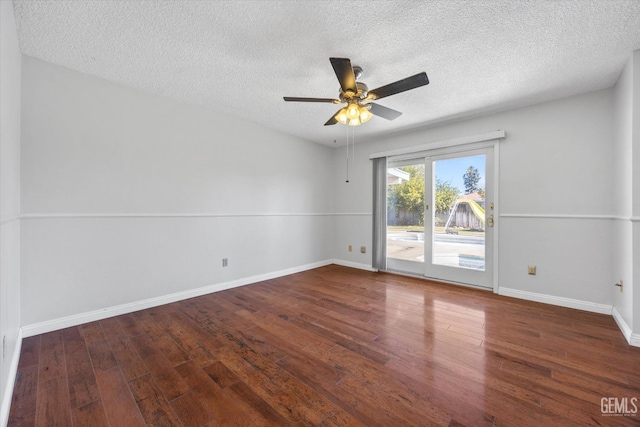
point(353, 114)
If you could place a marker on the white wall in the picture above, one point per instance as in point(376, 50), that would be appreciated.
point(353, 204)
point(635, 143)
point(555, 174)
point(10, 62)
point(622, 173)
point(128, 196)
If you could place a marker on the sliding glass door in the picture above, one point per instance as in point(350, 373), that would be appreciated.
point(406, 215)
point(440, 216)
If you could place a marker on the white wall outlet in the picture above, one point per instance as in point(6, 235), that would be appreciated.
point(225, 262)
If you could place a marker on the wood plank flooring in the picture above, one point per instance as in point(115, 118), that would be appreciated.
point(331, 346)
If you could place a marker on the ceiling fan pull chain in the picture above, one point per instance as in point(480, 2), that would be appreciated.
point(347, 168)
point(347, 154)
point(353, 152)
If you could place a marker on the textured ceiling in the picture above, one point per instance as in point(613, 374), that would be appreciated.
point(243, 56)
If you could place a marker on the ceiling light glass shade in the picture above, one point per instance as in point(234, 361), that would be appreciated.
point(353, 111)
point(365, 115)
point(342, 116)
point(354, 122)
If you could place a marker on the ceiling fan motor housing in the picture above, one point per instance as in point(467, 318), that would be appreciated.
point(363, 92)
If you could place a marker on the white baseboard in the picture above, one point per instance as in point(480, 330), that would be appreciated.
point(353, 265)
point(555, 300)
point(632, 339)
point(5, 405)
point(91, 316)
point(622, 324)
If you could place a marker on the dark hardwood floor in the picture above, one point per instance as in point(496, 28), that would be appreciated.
point(331, 346)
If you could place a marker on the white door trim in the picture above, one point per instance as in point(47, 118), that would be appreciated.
point(448, 143)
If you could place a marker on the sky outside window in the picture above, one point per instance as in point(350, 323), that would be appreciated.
point(452, 170)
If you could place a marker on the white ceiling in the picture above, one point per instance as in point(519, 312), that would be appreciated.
point(243, 56)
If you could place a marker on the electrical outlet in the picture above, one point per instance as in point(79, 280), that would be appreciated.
point(363, 249)
point(621, 284)
point(531, 270)
point(225, 262)
point(350, 248)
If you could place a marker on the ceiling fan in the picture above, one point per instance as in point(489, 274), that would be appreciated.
point(358, 97)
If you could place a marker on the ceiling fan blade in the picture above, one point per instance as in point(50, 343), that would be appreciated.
point(344, 73)
point(409, 83)
point(384, 112)
point(333, 120)
point(296, 99)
